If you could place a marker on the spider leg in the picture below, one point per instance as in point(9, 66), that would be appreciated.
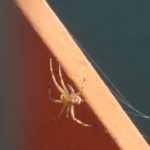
point(62, 81)
point(54, 79)
point(75, 119)
point(51, 99)
point(67, 112)
point(83, 82)
point(60, 113)
point(71, 88)
point(58, 101)
point(62, 110)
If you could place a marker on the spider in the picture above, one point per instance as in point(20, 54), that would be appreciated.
point(68, 97)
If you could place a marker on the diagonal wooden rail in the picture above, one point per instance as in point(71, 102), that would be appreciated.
point(113, 130)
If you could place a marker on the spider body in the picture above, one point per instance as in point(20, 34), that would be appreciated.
point(71, 99)
point(68, 97)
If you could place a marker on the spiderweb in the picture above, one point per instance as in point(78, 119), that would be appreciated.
point(130, 109)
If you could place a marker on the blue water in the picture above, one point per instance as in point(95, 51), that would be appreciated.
point(116, 34)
